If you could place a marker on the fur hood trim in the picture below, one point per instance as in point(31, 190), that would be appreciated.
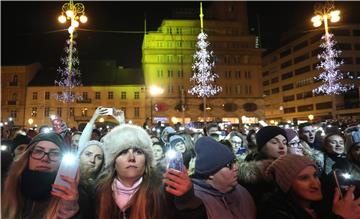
point(124, 137)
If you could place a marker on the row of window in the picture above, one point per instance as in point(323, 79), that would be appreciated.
point(299, 96)
point(237, 74)
point(238, 89)
point(85, 95)
point(84, 112)
point(308, 107)
point(170, 73)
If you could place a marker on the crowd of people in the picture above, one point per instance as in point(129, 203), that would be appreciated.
point(128, 172)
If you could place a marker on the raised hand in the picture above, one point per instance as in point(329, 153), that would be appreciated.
point(346, 207)
point(178, 183)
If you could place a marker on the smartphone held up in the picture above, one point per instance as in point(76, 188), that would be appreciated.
point(68, 167)
point(174, 160)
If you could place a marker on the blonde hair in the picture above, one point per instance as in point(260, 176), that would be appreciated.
point(12, 199)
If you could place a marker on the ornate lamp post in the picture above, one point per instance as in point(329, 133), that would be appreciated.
point(323, 13)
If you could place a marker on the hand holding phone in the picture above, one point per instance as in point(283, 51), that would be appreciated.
point(68, 167)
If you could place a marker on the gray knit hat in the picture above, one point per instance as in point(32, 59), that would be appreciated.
point(52, 137)
point(124, 137)
point(285, 169)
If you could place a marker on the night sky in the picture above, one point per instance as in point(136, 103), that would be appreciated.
point(30, 31)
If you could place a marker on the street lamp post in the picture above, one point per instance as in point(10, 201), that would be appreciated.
point(154, 91)
point(323, 13)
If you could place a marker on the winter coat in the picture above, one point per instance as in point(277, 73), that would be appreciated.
point(237, 203)
point(313, 154)
point(280, 206)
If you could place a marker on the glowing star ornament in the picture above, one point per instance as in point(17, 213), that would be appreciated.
point(69, 75)
point(331, 76)
point(202, 68)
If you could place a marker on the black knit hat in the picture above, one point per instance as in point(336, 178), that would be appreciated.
point(50, 136)
point(20, 139)
point(266, 133)
point(211, 156)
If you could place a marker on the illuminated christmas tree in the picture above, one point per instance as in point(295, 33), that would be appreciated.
point(203, 65)
point(331, 76)
point(69, 74)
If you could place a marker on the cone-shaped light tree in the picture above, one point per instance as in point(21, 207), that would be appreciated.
point(203, 64)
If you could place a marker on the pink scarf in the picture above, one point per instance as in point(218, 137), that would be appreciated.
point(123, 194)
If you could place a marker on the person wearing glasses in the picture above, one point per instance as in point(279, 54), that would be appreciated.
point(215, 182)
point(27, 191)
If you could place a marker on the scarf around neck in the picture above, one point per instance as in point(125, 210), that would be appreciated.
point(123, 194)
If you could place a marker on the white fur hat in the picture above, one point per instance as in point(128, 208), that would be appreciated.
point(124, 137)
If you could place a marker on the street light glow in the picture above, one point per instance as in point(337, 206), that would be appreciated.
point(69, 13)
point(62, 19)
point(83, 19)
point(155, 90)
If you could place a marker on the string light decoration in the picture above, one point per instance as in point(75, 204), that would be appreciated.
point(203, 64)
point(69, 75)
point(331, 75)
point(202, 68)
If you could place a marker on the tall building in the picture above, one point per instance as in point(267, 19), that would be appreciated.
point(14, 80)
point(167, 63)
point(288, 78)
point(104, 84)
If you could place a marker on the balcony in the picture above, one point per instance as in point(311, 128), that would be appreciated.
point(83, 101)
point(11, 102)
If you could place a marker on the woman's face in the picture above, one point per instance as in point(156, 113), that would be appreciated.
point(180, 146)
point(236, 143)
point(91, 159)
point(275, 147)
point(158, 152)
point(45, 157)
point(130, 165)
point(307, 186)
point(295, 146)
point(335, 145)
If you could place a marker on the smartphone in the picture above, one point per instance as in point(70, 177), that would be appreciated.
point(109, 111)
point(342, 181)
point(174, 160)
point(68, 167)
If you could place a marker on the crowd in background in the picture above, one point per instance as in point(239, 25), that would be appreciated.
point(307, 171)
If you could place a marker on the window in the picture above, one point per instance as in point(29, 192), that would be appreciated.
point(248, 89)
point(110, 95)
point(301, 58)
point(302, 70)
point(288, 98)
point(136, 112)
point(285, 53)
point(343, 46)
point(58, 111)
point(286, 64)
point(160, 73)
point(47, 95)
point(357, 60)
point(356, 46)
point(316, 52)
point(304, 108)
point(275, 90)
point(136, 95)
point(301, 45)
point(85, 95)
point(274, 80)
point(71, 111)
point(316, 38)
point(34, 95)
point(266, 73)
point(34, 112)
point(324, 105)
point(286, 75)
point(265, 83)
point(356, 32)
point(13, 113)
point(97, 96)
point(289, 110)
point(46, 111)
point(124, 110)
point(247, 74)
point(348, 60)
point(237, 74)
point(170, 73)
point(14, 81)
point(340, 32)
point(287, 87)
point(238, 89)
point(123, 95)
point(266, 92)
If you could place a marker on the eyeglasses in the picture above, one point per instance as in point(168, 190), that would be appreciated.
point(230, 164)
point(38, 154)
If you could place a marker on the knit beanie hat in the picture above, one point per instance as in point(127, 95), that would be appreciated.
point(174, 139)
point(290, 134)
point(50, 136)
point(127, 136)
point(211, 156)
point(92, 142)
point(285, 169)
point(20, 139)
point(266, 133)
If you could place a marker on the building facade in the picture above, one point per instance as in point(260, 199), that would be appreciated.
point(14, 81)
point(288, 78)
point(167, 63)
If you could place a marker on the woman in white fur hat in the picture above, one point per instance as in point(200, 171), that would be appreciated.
point(130, 186)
